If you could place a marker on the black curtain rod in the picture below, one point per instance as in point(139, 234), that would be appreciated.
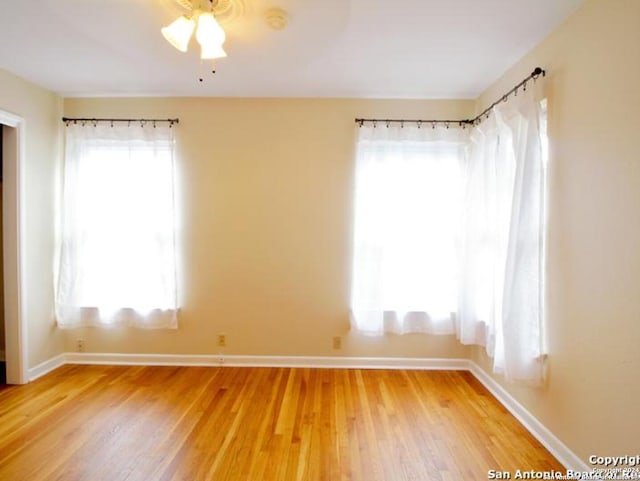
point(464, 122)
point(69, 120)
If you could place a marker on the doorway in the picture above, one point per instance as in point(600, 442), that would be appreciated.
point(15, 341)
point(3, 364)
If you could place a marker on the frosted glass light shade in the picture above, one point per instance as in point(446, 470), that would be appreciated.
point(211, 52)
point(210, 36)
point(179, 33)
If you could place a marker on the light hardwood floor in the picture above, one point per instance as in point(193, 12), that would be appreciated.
point(110, 423)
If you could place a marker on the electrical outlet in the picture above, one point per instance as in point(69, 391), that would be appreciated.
point(80, 345)
point(222, 340)
point(337, 342)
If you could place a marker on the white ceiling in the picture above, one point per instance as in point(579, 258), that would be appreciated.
point(331, 48)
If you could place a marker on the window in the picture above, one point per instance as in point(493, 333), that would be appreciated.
point(407, 211)
point(449, 233)
point(117, 261)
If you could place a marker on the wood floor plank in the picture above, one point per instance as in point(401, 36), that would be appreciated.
point(118, 423)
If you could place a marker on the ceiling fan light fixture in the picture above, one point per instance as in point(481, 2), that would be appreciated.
point(203, 23)
point(179, 32)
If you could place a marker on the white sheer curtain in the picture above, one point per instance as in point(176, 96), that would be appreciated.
point(501, 296)
point(449, 234)
point(407, 202)
point(117, 260)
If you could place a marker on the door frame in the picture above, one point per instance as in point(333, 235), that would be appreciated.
point(16, 351)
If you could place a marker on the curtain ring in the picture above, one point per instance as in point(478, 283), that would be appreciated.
point(419, 124)
point(433, 125)
point(447, 125)
point(402, 124)
point(388, 122)
point(375, 124)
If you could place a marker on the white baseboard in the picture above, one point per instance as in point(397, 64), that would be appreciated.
point(266, 361)
point(562, 453)
point(556, 447)
point(46, 367)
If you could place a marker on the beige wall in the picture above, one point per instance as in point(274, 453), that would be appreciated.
point(265, 196)
point(592, 400)
point(41, 110)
